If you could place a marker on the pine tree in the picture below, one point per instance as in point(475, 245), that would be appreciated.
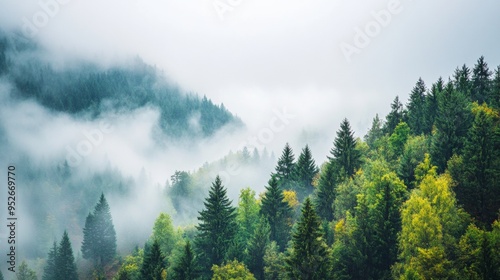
point(285, 167)
point(416, 108)
point(344, 153)
point(217, 227)
point(480, 81)
point(395, 116)
point(277, 212)
point(304, 172)
point(310, 258)
point(257, 249)
point(461, 80)
point(187, 266)
point(326, 192)
point(65, 261)
point(152, 266)
point(50, 270)
point(99, 236)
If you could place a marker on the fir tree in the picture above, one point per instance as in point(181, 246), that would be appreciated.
point(285, 167)
point(326, 191)
point(480, 81)
point(257, 249)
point(461, 80)
point(277, 212)
point(416, 107)
point(431, 105)
point(99, 236)
point(395, 116)
point(217, 227)
point(50, 270)
point(152, 265)
point(304, 172)
point(344, 153)
point(187, 267)
point(65, 261)
point(310, 258)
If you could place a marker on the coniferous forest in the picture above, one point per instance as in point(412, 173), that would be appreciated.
point(417, 197)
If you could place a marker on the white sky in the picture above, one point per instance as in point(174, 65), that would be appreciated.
point(269, 54)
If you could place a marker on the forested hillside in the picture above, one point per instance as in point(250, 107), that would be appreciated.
point(417, 198)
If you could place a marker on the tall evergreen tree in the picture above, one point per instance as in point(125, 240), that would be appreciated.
point(50, 270)
point(285, 167)
point(452, 123)
point(277, 212)
point(416, 107)
point(310, 258)
point(257, 249)
point(99, 235)
point(494, 98)
point(152, 265)
point(480, 81)
point(461, 80)
point(65, 261)
point(395, 116)
point(431, 105)
point(326, 191)
point(304, 172)
point(217, 227)
point(344, 153)
point(187, 266)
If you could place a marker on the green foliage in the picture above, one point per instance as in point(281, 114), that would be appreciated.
point(414, 152)
point(277, 212)
point(181, 188)
point(398, 139)
point(25, 273)
point(480, 81)
point(304, 172)
point(416, 108)
point(326, 191)
point(285, 168)
point(233, 270)
point(461, 80)
point(257, 249)
point(99, 236)
point(494, 99)
point(131, 267)
point(431, 106)
point(274, 261)
point(50, 270)
point(153, 267)
point(187, 266)
point(165, 234)
point(395, 116)
point(375, 133)
point(247, 216)
point(310, 257)
point(64, 261)
point(346, 196)
point(345, 156)
point(217, 227)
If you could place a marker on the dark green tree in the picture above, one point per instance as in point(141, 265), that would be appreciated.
point(99, 235)
point(494, 99)
point(461, 80)
point(257, 249)
point(395, 116)
point(310, 257)
point(416, 108)
point(277, 212)
point(50, 270)
point(304, 172)
point(216, 229)
point(480, 81)
point(152, 265)
point(452, 123)
point(285, 167)
point(431, 105)
point(65, 261)
point(326, 191)
point(344, 153)
point(187, 267)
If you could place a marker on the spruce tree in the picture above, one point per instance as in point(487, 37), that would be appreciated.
point(416, 108)
point(304, 172)
point(217, 227)
point(99, 236)
point(480, 81)
point(310, 258)
point(461, 80)
point(277, 212)
point(50, 270)
point(326, 191)
point(395, 116)
point(65, 261)
point(257, 249)
point(152, 265)
point(285, 167)
point(431, 105)
point(494, 98)
point(187, 267)
point(344, 153)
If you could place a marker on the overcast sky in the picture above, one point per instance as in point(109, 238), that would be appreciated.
point(321, 60)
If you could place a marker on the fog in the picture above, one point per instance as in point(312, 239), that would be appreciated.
point(279, 66)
